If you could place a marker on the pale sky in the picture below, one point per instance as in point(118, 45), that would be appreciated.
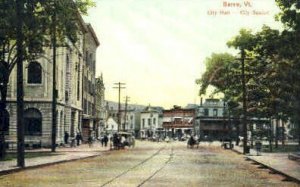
point(158, 47)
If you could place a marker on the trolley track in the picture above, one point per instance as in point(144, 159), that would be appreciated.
point(158, 170)
point(134, 167)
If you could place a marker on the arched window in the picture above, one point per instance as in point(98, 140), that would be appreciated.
point(33, 122)
point(4, 119)
point(34, 75)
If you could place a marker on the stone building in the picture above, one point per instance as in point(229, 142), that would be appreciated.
point(38, 81)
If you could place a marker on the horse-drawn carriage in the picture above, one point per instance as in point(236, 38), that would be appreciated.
point(122, 139)
point(193, 142)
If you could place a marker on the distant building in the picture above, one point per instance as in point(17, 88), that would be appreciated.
point(151, 122)
point(178, 122)
point(111, 126)
point(210, 120)
point(101, 112)
point(130, 122)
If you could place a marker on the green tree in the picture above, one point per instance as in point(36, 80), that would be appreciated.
point(289, 16)
point(223, 73)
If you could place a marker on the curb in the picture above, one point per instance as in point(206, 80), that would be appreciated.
point(18, 169)
point(270, 168)
point(236, 151)
point(276, 171)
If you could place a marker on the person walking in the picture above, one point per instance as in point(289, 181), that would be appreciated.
point(78, 138)
point(90, 141)
point(66, 137)
point(102, 140)
point(105, 140)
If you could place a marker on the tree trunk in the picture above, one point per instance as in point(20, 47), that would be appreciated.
point(298, 135)
point(2, 120)
point(20, 90)
point(276, 133)
point(282, 133)
point(237, 134)
point(2, 134)
point(54, 90)
point(270, 137)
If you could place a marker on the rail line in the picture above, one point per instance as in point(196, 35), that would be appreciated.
point(135, 166)
point(157, 171)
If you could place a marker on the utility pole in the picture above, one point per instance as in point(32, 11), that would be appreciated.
point(20, 88)
point(54, 90)
point(119, 87)
point(244, 120)
point(126, 103)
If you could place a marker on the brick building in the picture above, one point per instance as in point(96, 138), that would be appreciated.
point(178, 122)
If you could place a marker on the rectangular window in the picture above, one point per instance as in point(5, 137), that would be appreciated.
point(215, 112)
point(154, 121)
point(149, 121)
point(205, 112)
point(143, 122)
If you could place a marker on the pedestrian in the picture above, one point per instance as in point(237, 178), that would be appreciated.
point(115, 141)
point(105, 140)
point(66, 137)
point(90, 141)
point(72, 144)
point(102, 141)
point(133, 141)
point(78, 138)
point(110, 142)
point(237, 141)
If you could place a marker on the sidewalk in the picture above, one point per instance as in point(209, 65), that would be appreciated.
point(277, 162)
point(62, 154)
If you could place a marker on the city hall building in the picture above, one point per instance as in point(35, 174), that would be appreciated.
point(75, 68)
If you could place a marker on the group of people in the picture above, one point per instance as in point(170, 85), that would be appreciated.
point(77, 138)
point(104, 140)
point(117, 141)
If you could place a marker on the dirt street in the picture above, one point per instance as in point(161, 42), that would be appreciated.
point(153, 164)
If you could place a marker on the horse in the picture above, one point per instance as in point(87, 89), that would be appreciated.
point(192, 142)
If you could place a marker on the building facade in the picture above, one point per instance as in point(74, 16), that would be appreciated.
point(90, 122)
point(111, 126)
point(101, 112)
point(38, 93)
point(128, 119)
point(129, 122)
point(178, 122)
point(211, 122)
point(150, 122)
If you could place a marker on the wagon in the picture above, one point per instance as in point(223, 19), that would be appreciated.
point(123, 139)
